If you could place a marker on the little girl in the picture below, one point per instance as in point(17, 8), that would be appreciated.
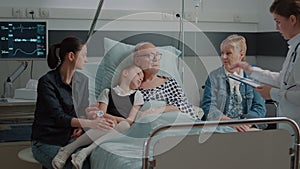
point(120, 104)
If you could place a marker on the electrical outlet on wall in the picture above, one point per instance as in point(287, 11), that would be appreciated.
point(31, 13)
point(18, 12)
point(44, 13)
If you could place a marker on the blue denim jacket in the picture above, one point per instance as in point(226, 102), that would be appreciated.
point(216, 95)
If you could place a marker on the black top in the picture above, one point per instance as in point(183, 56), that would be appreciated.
point(119, 105)
point(54, 110)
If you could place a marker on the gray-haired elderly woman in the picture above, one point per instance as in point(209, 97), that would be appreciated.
point(155, 87)
point(225, 98)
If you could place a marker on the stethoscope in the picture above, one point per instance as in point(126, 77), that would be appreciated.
point(294, 54)
point(289, 69)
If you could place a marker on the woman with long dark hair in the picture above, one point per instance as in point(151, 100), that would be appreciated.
point(56, 122)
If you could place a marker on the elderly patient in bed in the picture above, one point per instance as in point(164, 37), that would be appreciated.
point(165, 101)
point(155, 87)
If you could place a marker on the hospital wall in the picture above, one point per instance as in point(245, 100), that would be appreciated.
point(213, 18)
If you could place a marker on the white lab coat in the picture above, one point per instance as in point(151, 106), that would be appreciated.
point(286, 90)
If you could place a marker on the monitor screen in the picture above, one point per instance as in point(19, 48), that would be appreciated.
point(23, 40)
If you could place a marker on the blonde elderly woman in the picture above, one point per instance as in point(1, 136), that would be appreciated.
point(225, 98)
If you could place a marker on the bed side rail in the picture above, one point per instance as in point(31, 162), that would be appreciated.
point(273, 120)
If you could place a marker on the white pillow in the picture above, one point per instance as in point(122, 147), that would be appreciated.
point(118, 55)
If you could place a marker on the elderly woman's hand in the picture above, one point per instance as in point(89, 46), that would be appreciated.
point(239, 128)
point(242, 128)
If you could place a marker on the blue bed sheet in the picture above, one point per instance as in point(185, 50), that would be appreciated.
point(125, 151)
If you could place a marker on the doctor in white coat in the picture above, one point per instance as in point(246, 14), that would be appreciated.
point(285, 87)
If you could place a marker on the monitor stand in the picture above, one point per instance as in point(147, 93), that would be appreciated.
point(8, 89)
point(3, 100)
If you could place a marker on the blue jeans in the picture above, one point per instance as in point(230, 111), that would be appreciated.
point(44, 153)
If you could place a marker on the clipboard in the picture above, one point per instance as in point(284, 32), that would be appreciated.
point(247, 81)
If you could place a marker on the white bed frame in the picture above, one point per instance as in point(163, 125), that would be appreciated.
point(261, 149)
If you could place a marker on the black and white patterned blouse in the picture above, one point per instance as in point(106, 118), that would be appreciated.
point(172, 94)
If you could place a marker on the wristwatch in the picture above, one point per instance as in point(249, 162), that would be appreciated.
point(100, 113)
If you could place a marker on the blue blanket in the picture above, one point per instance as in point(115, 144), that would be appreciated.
point(125, 151)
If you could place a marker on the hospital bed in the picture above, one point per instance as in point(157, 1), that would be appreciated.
point(166, 142)
point(208, 145)
point(268, 149)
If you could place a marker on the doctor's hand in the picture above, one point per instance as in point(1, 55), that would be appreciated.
point(243, 65)
point(264, 91)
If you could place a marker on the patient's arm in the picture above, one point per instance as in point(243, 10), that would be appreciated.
point(171, 108)
point(159, 110)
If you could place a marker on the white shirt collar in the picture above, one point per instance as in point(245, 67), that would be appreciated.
point(121, 92)
point(234, 82)
point(241, 73)
point(294, 41)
